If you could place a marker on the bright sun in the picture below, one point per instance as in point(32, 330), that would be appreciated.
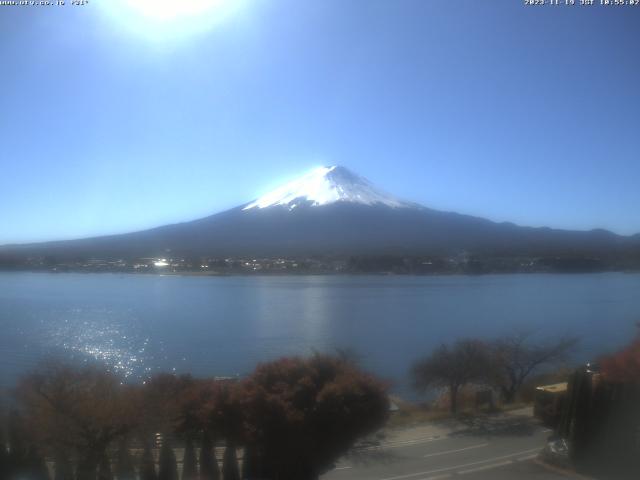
point(168, 10)
point(162, 19)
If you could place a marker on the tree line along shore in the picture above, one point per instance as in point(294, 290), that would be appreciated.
point(460, 263)
point(291, 419)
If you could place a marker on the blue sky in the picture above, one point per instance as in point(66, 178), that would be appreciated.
point(112, 122)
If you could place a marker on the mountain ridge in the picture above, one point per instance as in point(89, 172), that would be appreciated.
point(333, 211)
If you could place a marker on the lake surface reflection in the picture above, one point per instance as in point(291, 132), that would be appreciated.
point(140, 324)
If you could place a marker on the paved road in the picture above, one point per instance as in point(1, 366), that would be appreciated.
point(498, 448)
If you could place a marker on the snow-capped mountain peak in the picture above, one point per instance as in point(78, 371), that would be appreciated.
point(325, 185)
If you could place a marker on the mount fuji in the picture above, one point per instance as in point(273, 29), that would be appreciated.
point(333, 211)
point(326, 185)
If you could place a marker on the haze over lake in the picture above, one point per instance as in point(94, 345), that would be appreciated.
point(140, 324)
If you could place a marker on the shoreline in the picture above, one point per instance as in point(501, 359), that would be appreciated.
point(313, 274)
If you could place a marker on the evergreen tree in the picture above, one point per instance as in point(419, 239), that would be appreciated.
point(189, 462)
point(104, 469)
point(251, 467)
point(4, 458)
point(124, 463)
point(36, 465)
point(63, 469)
point(87, 466)
point(230, 463)
point(208, 462)
point(17, 455)
point(168, 466)
point(147, 465)
point(248, 464)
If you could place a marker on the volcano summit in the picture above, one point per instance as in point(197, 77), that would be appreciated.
point(326, 185)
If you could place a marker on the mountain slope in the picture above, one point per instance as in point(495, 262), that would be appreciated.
point(332, 211)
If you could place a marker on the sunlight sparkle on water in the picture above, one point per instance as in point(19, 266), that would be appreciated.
point(99, 335)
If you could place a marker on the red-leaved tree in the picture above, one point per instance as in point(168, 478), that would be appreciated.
point(624, 366)
point(302, 414)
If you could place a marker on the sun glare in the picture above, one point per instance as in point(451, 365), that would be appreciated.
point(168, 10)
point(162, 19)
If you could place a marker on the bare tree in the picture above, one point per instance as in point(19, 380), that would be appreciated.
point(516, 357)
point(453, 367)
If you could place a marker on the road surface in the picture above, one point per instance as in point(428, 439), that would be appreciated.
point(492, 448)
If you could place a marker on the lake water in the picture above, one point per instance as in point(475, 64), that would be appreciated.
point(225, 325)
